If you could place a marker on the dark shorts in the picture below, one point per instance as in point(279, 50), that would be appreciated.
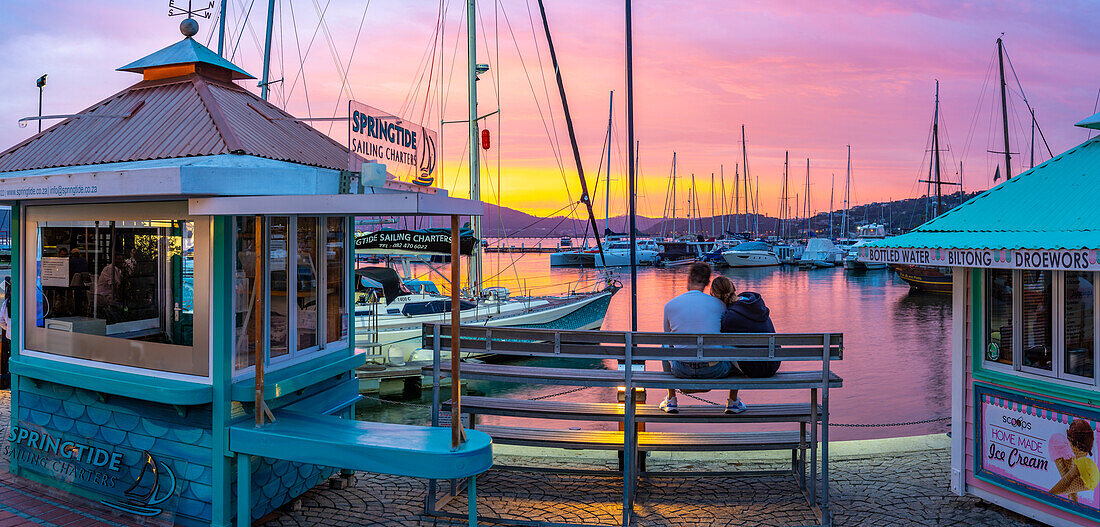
point(720, 370)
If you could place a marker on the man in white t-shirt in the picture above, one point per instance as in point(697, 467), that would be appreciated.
point(696, 312)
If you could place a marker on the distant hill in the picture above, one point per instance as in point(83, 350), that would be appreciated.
point(898, 216)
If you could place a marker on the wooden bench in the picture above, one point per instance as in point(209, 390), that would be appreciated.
point(626, 347)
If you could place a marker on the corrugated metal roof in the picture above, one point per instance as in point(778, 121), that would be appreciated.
point(181, 117)
point(1048, 207)
point(185, 51)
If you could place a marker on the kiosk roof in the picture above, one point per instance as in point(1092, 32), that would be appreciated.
point(1048, 207)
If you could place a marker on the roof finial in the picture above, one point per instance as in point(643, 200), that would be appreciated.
point(189, 27)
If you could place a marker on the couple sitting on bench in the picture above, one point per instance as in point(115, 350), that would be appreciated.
point(722, 311)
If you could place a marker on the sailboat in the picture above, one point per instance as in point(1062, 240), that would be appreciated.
point(921, 277)
point(398, 330)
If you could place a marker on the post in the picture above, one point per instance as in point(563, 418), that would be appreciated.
point(475, 164)
point(632, 174)
point(457, 435)
point(244, 490)
point(267, 51)
point(826, 518)
point(630, 432)
point(221, 30)
point(41, 86)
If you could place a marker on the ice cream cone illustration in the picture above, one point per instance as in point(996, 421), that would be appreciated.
point(1079, 472)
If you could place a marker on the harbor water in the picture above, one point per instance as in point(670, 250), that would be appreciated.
point(896, 365)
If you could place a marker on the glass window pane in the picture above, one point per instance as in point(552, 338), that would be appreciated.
point(1080, 300)
point(248, 291)
point(336, 305)
point(308, 258)
point(124, 279)
point(1036, 289)
point(998, 329)
point(279, 316)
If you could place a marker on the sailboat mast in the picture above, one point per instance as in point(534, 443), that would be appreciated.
point(745, 161)
point(674, 195)
point(607, 176)
point(267, 51)
point(712, 231)
point(725, 211)
point(631, 179)
point(847, 195)
point(806, 202)
point(585, 197)
point(736, 198)
point(786, 196)
point(1032, 148)
point(474, 270)
point(756, 206)
point(221, 29)
point(936, 154)
point(832, 188)
point(1004, 107)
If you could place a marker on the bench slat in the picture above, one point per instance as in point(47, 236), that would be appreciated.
point(650, 441)
point(579, 411)
point(578, 377)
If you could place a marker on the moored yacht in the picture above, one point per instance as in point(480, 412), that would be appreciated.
point(750, 254)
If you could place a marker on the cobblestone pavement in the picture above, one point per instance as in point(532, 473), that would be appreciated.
point(902, 489)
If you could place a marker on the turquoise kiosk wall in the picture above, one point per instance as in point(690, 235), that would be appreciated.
point(166, 238)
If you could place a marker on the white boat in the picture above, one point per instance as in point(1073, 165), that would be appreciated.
point(750, 254)
point(820, 252)
point(616, 253)
point(871, 231)
point(789, 253)
point(395, 326)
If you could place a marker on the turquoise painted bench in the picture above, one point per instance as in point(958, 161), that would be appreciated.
point(381, 448)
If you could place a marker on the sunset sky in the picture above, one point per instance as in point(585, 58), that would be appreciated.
point(808, 77)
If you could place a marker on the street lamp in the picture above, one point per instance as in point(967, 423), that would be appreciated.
point(41, 84)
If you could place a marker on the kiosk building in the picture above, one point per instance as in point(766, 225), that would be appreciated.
point(1025, 388)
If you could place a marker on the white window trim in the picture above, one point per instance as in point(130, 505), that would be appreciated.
point(295, 356)
point(1057, 375)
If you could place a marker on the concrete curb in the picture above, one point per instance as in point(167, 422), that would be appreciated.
point(856, 449)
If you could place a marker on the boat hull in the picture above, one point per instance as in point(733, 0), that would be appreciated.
point(750, 258)
point(928, 279)
point(403, 334)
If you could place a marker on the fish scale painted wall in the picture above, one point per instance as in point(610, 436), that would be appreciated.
point(179, 437)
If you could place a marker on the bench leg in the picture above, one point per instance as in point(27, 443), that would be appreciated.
point(813, 446)
point(471, 497)
point(802, 455)
point(244, 489)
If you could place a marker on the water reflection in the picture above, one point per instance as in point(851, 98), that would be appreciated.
point(896, 363)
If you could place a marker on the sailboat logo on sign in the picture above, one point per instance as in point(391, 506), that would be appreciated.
point(407, 149)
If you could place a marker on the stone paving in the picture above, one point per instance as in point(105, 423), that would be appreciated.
point(908, 488)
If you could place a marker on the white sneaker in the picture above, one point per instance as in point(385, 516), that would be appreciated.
point(735, 406)
point(669, 405)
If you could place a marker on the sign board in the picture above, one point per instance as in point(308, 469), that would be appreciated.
point(136, 482)
point(407, 149)
point(1041, 449)
point(55, 271)
point(1054, 260)
point(424, 241)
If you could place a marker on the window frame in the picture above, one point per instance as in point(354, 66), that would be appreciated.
point(295, 356)
point(192, 361)
point(1057, 375)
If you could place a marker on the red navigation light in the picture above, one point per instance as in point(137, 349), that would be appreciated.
point(485, 139)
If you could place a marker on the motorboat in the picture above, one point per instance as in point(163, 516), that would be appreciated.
point(750, 254)
point(615, 254)
point(871, 231)
point(820, 252)
point(789, 253)
point(390, 315)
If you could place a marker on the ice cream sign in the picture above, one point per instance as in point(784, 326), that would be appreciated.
point(407, 149)
point(1043, 450)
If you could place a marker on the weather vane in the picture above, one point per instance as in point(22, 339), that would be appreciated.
point(189, 27)
point(191, 12)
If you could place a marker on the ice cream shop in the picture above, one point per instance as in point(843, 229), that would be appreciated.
point(182, 338)
point(1025, 262)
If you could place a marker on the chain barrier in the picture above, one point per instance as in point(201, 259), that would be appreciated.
point(416, 405)
point(574, 390)
point(847, 425)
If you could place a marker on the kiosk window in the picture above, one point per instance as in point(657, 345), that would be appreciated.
point(307, 274)
point(279, 237)
point(1037, 333)
point(336, 314)
point(124, 279)
point(248, 290)
point(999, 317)
point(1080, 301)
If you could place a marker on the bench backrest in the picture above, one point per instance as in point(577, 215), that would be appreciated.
point(579, 344)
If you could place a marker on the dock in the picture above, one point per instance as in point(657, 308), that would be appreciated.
point(386, 380)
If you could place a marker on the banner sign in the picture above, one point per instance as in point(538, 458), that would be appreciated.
point(130, 481)
point(1041, 449)
point(1053, 260)
point(407, 149)
point(424, 241)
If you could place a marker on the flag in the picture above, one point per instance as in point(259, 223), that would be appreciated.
point(997, 173)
